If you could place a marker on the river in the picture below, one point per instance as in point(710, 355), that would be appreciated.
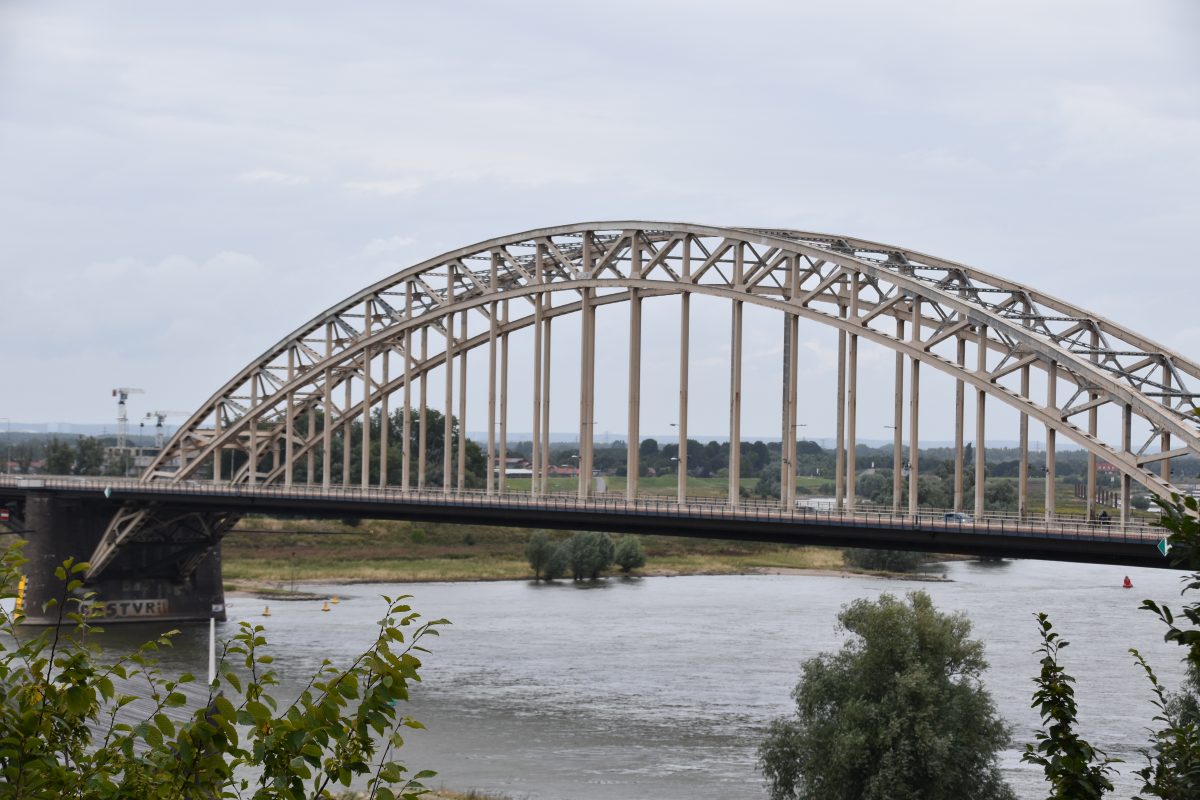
point(661, 687)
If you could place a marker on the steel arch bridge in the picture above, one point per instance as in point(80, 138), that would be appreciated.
point(288, 412)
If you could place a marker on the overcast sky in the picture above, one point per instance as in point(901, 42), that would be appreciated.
point(183, 184)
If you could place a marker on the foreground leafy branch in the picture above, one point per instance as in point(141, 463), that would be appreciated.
point(1172, 770)
point(64, 733)
point(1074, 769)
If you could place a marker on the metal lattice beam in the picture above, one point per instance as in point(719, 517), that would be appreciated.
point(353, 357)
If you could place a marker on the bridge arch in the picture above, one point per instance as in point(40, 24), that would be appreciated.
point(354, 357)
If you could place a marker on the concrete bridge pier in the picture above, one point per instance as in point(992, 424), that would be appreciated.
point(144, 583)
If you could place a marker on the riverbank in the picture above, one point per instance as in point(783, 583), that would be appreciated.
point(275, 558)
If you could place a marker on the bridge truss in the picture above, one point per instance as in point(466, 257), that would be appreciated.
point(283, 418)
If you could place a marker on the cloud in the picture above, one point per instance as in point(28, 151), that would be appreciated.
point(145, 134)
point(1108, 124)
point(378, 247)
point(386, 188)
point(272, 176)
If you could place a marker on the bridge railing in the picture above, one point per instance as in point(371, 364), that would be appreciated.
point(706, 508)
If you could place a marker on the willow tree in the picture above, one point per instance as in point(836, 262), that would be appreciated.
point(899, 713)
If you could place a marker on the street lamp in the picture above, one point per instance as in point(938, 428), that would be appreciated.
point(7, 444)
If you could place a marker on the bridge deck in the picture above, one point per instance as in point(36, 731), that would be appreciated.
point(1060, 539)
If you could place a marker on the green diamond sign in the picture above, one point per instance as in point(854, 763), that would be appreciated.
point(1164, 547)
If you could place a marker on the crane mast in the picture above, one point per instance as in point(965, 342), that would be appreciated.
point(122, 394)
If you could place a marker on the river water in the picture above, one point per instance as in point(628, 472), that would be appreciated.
point(661, 687)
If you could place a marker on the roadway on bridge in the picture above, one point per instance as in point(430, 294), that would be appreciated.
point(1059, 539)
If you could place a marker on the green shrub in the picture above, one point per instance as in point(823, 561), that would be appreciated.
point(629, 554)
point(884, 560)
point(61, 734)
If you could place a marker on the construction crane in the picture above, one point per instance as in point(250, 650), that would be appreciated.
point(122, 395)
point(158, 426)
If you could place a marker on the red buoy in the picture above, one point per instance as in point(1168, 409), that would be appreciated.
point(1128, 584)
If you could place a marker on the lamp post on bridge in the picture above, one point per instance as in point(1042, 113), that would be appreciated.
point(7, 444)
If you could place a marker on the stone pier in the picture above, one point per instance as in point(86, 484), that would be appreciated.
point(143, 583)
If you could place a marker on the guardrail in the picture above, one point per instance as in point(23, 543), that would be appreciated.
point(707, 508)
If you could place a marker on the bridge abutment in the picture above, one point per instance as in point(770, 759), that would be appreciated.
point(139, 586)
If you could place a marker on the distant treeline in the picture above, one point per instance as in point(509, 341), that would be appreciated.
point(87, 455)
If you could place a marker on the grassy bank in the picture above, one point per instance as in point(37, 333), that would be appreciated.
point(287, 553)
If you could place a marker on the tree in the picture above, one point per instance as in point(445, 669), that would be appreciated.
point(769, 482)
point(539, 550)
point(629, 554)
point(556, 567)
point(118, 463)
point(898, 713)
point(61, 736)
point(89, 456)
point(884, 560)
point(589, 553)
point(1000, 496)
point(60, 458)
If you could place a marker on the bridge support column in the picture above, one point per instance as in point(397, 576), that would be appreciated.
point(327, 419)
point(839, 456)
point(129, 591)
point(535, 459)
point(448, 406)
point(1023, 467)
point(1165, 437)
point(461, 475)
point(252, 447)
point(914, 416)
point(385, 422)
point(546, 353)
point(1126, 447)
point(735, 405)
point(898, 424)
point(1092, 429)
point(503, 481)
point(1051, 445)
point(422, 417)
point(364, 461)
point(980, 427)
point(347, 448)
point(587, 389)
point(685, 300)
point(787, 490)
point(406, 417)
point(852, 402)
point(310, 459)
point(491, 416)
point(218, 413)
point(959, 406)
point(634, 439)
point(289, 447)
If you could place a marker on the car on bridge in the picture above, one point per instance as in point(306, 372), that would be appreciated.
point(957, 516)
